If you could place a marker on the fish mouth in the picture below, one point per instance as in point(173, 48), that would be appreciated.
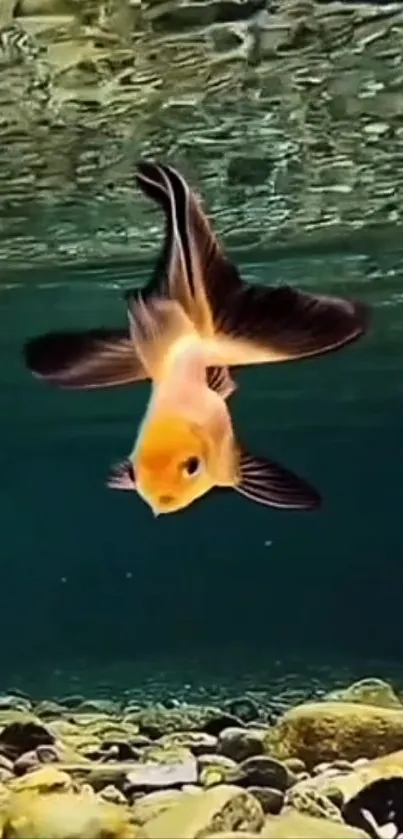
point(165, 504)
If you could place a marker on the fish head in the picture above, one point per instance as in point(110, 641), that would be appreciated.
point(172, 464)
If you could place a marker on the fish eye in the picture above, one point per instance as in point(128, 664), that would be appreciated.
point(192, 466)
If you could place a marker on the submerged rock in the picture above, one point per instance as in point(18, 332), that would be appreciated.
point(150, 806)
point(216, 810)
point(294, 825)
point(367, 692)
point(198, 742)
point(44, 779)
point(62, 815)
point(24, 736)
point(159, 776)
point(264, 771)
point(324, 731)
point(241, 743)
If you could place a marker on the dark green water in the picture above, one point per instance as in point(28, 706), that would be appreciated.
point(87, 573)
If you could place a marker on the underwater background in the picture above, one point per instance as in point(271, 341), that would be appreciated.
point(91, 580)
point(286, 116)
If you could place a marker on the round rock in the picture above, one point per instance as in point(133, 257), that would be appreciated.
point(240, 743)
point(264, 772)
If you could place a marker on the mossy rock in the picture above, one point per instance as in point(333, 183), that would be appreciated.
point(367, 692)
point(324, 731)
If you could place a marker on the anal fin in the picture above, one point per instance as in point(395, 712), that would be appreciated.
point(269, 483)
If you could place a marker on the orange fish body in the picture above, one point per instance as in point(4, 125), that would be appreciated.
point(194, 322)
point(186, 444)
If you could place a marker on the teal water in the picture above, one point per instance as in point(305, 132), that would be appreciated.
point(88, 574)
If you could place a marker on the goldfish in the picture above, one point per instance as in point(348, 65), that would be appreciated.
point(189, 330)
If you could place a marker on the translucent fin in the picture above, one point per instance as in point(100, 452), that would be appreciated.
point(266, 482)
point(156, 328)
point(91, 359)
point(122, 476)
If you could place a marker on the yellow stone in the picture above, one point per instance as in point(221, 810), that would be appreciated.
point(152, 805)
point(221, 808)
point(323, 731)
point(45, 779)
point(32, 816)
point(381, 767)
point(294, 825)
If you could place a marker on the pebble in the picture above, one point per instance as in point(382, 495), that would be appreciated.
point(165, 770)
point(242, 707)
point(263, 772)
point(26, 762)
point(20, 737)
point(271, 800)
point(239, 743)
point(47, 754)
point(157, 776)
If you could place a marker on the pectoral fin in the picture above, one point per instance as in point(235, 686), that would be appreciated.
point(122, 476)
point(266, 482)
point(91, 359)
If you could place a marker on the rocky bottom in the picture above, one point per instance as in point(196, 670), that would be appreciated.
point(100, 769)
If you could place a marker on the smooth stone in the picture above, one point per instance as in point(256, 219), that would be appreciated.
point(198, 742)
point(104, 775)
point(26, 762)
point(165, 754)
point(243, 708)
point(294, 825)
point(20, 737)
point(219, 723)
point(72, 700)
point(271, 800)
point(295, 764)
point(47, 754)
point(240, 743)
point(63, 815)
point(98, 706)
point(387, 766)
point(216, 769)
point(217, 761)
point(48, 709)
point(154, 803)
point(42, 7)
point(367, 692)
point(222, 808)
point(121, 750)
point(139, 741)
point(154, 775)
point(16, 703)
point(325, 731)
point(112, 794)
point(45, 779)
point(6, 763)
point(263, 771)
point(157, 721)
